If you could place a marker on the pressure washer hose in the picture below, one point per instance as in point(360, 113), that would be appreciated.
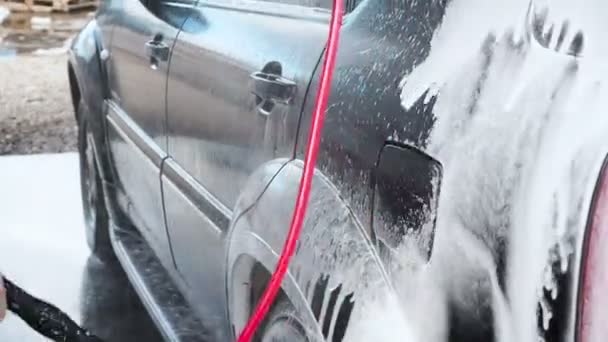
point(43, 317)
point(312, 149)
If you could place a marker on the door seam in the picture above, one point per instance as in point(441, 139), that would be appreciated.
point(179, 31)
point(162, 198)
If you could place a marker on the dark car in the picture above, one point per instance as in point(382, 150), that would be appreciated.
point(460, 192)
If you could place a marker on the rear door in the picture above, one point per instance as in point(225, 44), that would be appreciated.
point(143, 37)
point(239, 75)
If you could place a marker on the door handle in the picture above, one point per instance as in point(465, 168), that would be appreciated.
point(157, 49)
point(272, 87)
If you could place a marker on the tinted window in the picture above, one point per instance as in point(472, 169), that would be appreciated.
point(349, 5)
point(327, 4)
point(173, 12)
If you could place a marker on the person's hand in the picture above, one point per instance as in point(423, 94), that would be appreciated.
point(2, 299)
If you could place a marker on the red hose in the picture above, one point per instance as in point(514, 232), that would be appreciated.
point(310, 160)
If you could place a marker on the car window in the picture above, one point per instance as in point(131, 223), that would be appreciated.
point(317, 4)
point(325, 4)
point(173, 12)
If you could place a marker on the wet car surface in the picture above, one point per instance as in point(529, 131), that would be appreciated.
point(43, 250)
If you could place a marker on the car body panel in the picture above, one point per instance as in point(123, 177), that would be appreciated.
point(218, 135)
point(506, 96)
point(88, 74)
point(130, 146)
point(492, 104)
point(136, 111)
point(198, 244)
point(331, 236)
point(219, 132)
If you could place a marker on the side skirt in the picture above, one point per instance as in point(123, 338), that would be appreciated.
point(163, 301)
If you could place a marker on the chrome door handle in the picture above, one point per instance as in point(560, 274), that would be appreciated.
point(157, 49)
point(272, 87)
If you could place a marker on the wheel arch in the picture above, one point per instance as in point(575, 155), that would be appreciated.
point(250, 276)
point(250, 259)
point(88, 83)
point(74, 89)
point(322, 291)
point(86, 71)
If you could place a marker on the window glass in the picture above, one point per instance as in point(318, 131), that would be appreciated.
point(326, 4)
point(173, 12)
point(349, 5)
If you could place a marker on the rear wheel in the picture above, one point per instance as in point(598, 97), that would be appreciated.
point(283, 324)
point(94, 209)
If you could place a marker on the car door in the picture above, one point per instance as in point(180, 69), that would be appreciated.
point(141, 47)
point(239, 75)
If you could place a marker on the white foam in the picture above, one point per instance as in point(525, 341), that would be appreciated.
point(520, 131)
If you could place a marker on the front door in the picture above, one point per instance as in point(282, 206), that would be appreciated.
point(140, 54)
point(239, 75)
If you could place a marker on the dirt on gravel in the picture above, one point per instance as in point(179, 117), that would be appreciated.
point(36, 113)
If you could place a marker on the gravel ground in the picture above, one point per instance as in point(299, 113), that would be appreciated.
point(36, 114)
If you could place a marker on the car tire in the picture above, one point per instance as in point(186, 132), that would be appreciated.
point(283, 324)
point(93, 204)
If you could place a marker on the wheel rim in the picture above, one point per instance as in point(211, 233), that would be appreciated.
point(89, 174)
point(284, 329)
